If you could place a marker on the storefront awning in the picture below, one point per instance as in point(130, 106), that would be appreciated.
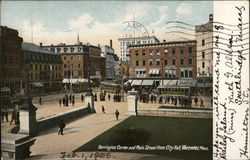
point(147, 82)
point(154, 71)
point(136, 82)
point(37, 84)
point(75, 80)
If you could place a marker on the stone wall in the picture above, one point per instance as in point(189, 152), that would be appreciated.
point(50, 122)
point(189, 113)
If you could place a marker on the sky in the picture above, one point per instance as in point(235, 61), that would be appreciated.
point(97, 22)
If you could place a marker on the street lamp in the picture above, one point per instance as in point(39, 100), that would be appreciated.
point(89, 92)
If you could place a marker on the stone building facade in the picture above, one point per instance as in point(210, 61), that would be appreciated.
point(11, 59)
point(204, 38)
point(45, 67)
point(169, 60)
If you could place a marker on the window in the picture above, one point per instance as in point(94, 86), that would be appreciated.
point(71, 58)
point(186, 73)
point(79, 65)
point(143, 62)
point(143, 52)
point(182, 61)
point(65, 49)
point(166, 51)
point(181, 50)
point(151, 62)
point(182, 73)
point(203, 55)
point(158, 62)
point(136, 53)
point(170, 73)
point(190, 50)
point(65, 58)
point(151, 52)
point(65, 65)
point(40, 67)
point(31, 66)
point(36, 67)
point(158, 52)
point(190, 61)
point(137, 62)
point(165, 61)
point(173, 51)
point(173, 61)
point(203, 42)
point(79, 58)
point(72, 49)
point(190, 74)
point(79, 73)
point(203, 64)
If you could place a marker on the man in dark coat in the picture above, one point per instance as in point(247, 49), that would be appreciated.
point(117, 114)
point(61, 125)
point(60, 102)
point(82, 97)
point(13, 116)
point(103, 109)
point(109, 97)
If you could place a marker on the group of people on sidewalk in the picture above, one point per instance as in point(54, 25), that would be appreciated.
point(15, 114)
point(67, 99)
point(174, 100)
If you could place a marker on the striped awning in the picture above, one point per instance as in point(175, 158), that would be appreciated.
point(154, 71)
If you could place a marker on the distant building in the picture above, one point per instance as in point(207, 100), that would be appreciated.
point(11, 59)
point(45, 67)
point(125, 42)
point(168, 60)
point(112, 61)
point(204, 38)
point(80, 60)
point(124, 69)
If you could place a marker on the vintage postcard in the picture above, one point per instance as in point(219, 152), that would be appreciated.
point(124, 80)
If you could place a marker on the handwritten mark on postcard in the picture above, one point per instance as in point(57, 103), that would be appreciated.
point(231, 80)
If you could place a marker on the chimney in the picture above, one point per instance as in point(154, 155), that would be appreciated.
point(111, 46)
point(41, 44)
point(210, 17)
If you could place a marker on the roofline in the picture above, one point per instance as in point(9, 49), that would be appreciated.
point(139, 38)
point(162, 43)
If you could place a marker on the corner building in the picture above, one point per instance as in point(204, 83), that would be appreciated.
point(170, 60)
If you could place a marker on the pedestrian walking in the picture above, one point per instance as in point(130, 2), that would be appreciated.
point(109, 96)
point(117, 114)
point(82, 97)
point(61, 125)
point(195, 101)
point(70, 98)
point(2, 114)
point(40, 101)
point(17, 117)
point(73, 102)
point(202, 104)
point(63, 101)
point(6, 115)
point(103, 109)
point(60, 102)
point(13, 116)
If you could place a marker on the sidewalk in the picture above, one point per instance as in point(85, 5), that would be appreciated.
point(80, 131)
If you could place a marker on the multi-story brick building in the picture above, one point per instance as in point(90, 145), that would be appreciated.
point(45, 67)
point(80, 60)
point(166, 60)
point(125, 42)
point(11, 58)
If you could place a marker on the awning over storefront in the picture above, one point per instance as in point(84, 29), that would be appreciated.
point(75, 80)
point(37, 84)
point(147, 82)
point(136, 82)
point(154, 71)
point(187, 82)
